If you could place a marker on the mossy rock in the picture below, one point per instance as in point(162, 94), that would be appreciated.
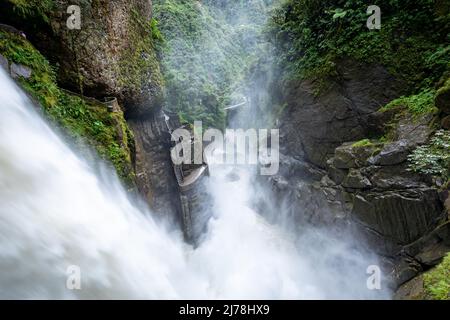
point(417, 104)
point(85, 121)
point(443, 98)
point(113, 54)
point(355, 154)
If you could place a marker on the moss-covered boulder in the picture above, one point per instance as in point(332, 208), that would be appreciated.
point(111, 55)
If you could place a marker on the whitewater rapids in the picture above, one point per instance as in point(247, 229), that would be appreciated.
point(57, 212)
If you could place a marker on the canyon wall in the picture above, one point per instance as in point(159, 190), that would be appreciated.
point(361, 114)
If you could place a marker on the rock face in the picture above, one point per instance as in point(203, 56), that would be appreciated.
point(111, 55)
point(186, 206)
point(315, 124)
point(18, 71)
point(401, 212)
point(196, 207)
point(401, 216)
point(363, 183)
point(4, 63)
point(154, 172)
point(302, 195)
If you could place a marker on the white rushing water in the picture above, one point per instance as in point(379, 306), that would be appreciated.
point(55, 212)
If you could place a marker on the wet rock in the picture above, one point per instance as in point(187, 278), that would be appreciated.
point(405, 270)
point(381, 244)
point(433, 255)
point(350, 156)
point(330, 194)
point(411, 290)
point(432, 247)
point(153, 166)
point(4, 63)
point(393, 177)
point(446, 200)
point(415, 131)
point(316, 124)
point(307, 202)
point(402, 215)
point(377, 121)
point(20, 71)
point(279, 183)
point(292, 167)
point(327, 182)
point(355, 180)
point(337, 175)
point(393, 153)
point(394, 207)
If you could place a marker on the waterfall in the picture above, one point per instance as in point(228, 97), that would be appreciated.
point(56, 212)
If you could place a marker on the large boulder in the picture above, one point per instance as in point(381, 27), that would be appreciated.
point(20, 71)
point(401, 216)
point(414, 130)
point(355, 180)
point(396, 177)
point(351, 155)
point(393, 153)
point(317, 123)
point(111, 55)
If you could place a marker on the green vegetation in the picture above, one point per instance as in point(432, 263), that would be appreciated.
point(34, 8)
point(81, 119)
point(207, 52)
point(418, 104)
point(362, 143)
point(312, 35)
point(141, 65)
point(437, 281)
point(434, 157)
point(155, 32)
